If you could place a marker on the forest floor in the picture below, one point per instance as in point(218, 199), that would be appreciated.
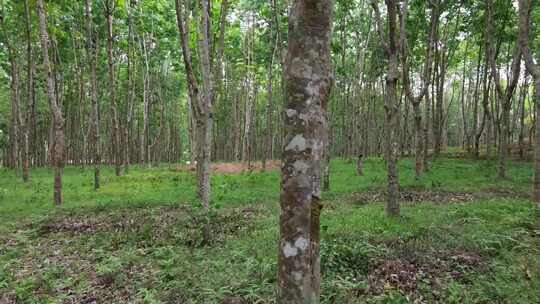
point(464, 237)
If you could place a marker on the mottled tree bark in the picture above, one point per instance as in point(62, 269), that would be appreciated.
point(391, 49)
point(308, 83)
point(207, 100)
point(58, 120)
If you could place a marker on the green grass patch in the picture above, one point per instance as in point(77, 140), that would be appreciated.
point(464, 237)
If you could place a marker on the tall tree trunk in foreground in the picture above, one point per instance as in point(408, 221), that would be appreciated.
point(115, 127)
point(308, 83)
point(56, 110)
point(533, 69)
point(95, 128)
point(390, 103)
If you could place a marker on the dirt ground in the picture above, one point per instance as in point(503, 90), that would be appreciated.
point(235, 168)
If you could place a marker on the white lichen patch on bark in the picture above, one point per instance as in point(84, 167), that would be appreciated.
point(289, 251)
point(300, 167)
point(298, 143)
point(301, 243)
point(290, 112)
point(292, 250)
point(297, 275)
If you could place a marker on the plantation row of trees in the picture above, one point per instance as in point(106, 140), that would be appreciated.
point(140, 109)
point(141, 87)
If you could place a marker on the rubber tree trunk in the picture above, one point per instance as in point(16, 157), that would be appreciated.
point(418, 131)
point(31, 129)
point(58, 120)
point(391, 107)
point(130, 99)
point(207, 100)
point(425, 145)
point(95, 127)
point(309, 80)
point(505, 135)
point(360, 165)
point(521, 138)
point(392, 146)
point(269, 131)
point(116, 149)
point(30, 116)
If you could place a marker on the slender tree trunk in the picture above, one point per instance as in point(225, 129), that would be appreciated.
point(427, 115)
point(130, 90)
point(31, 128)
point(236, 135)
point(16, 122)
point(58, 120)
point(147, 100)
point(30, 115)
point(464, 119)
point(116, 151)
point(504, 140)
point(418, 132)
point(439, 105)
point(475, 138)
point(92, 47)
point(391, 48)
point(268, 134)
point(207, 115)
point(521, 139)
point(310, 28)
point(360, 165)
